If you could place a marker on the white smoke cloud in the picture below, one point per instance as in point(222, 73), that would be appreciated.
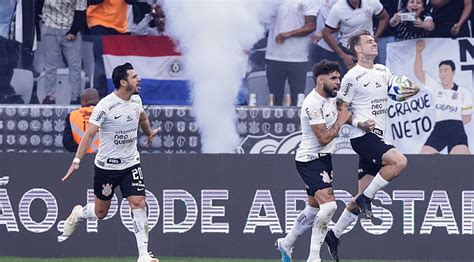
point(212, 36)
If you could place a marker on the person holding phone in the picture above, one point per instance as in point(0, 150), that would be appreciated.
point(412, 22)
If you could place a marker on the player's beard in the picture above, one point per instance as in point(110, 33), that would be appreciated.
point(132, 89)
point(330, 92)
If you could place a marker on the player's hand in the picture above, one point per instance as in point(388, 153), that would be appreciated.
point(281, 37)
point(70, 37)
point(348, 61)
point(344, 116)
point(367, 126)
point(455, 29)
point(420, 45)
point(411, 91)
point(152, 135)
point(74, 166)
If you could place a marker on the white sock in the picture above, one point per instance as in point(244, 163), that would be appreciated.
point(343, 222)
point(303, 222)
point(320, 228)
point(88, 212)
point(140, 228)
point(377, 183)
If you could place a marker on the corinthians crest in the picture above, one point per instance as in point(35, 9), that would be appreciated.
point(270, 144)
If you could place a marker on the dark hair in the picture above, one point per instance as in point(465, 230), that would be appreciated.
point(120, 73)
point(355, 40)
point(325, 67)
point(448, 63)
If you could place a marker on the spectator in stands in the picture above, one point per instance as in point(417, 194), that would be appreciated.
point(388, 35)
point(453, 107)
point(450, 17)
point(153, 23)
point(77, 121)
point(411, 26)
point(351, 16)
point(105, 17)
point(108, 17)
point(61, 34)
point(288, 47)
point(8, 54)
point(319, 49)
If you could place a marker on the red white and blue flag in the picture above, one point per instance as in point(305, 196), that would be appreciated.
point(157, 63)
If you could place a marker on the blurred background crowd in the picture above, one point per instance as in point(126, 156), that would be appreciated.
point(47, 45)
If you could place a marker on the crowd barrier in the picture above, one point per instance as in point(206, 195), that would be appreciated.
point(230, 205)
point(262, 130)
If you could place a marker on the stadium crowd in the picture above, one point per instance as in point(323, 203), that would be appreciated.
point(41, 36)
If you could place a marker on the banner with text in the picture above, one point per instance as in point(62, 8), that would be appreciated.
point(412, 121)
point(220, 205)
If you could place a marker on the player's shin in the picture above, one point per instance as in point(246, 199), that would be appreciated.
point(346, 218)
point(320, 228)
point(303, 222)
point(88, 212)
point(377, 183)
point(140, 228)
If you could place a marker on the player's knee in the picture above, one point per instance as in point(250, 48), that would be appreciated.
point(137, 203)
point(401, 163)
point(101, 213)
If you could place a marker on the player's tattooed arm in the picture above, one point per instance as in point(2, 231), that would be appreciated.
point(367, 126)
point(343, 107)
point(326, 135)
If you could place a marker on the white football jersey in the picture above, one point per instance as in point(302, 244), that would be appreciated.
point(450, 104)
point(117, 120)
point(366, 92)
point(316, 109)
point(350, 20)
point(290, 16)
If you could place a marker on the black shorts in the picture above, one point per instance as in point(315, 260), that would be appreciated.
point(316, 174)
point(370, 149)
point(447, 133)
point(130, 180)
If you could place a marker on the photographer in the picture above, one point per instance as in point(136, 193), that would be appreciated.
point(412, 22)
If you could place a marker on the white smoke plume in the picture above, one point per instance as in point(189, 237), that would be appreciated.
point(212, 36)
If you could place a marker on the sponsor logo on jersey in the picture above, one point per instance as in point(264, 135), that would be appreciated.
point(114, 161)
point(360, 76)
point(100, 116)
point(378, 131)
point(347, 88)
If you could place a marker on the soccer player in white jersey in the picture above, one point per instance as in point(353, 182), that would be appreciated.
point(364, 93)
point(453, 107)
point(320, 123)
point(116, 118)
